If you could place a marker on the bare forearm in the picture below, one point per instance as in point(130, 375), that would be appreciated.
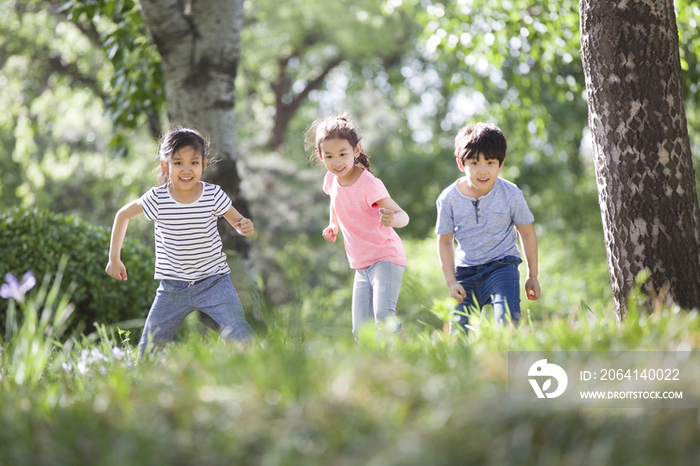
point(447, 260)
point(121, 223)
point(244, 226)
point(529, 244)
point(400, 220)
point(332, 216)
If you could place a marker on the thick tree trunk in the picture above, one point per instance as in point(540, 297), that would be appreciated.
point(644, 169)
point(199, 42)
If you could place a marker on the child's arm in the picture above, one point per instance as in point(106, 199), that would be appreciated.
point(115, 268)
point(391, 214)
point(446, 256)
point(244, 226)
point(528, 240)
point(330, 233)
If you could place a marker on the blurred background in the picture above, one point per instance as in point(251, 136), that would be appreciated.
point(82, 101)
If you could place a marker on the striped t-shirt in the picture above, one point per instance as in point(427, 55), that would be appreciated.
point(188, 245)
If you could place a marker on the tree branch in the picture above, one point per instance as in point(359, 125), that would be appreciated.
point(71, 70)
point(285, 112)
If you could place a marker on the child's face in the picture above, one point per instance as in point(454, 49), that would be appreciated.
point(338, 156)
point(480, 173)
point(185, 168)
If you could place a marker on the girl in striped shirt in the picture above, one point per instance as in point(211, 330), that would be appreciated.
point(190, 262)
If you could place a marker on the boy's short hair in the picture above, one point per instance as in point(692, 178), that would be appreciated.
point(480, 138)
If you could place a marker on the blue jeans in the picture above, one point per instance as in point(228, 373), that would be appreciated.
point(496, 283)
point(375, 293)
point(175, 300)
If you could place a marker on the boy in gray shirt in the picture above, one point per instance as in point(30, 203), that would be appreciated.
point(483, 212)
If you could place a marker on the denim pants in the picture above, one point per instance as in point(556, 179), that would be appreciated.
point(496, 283)
point(375, 293)
point(175, 300)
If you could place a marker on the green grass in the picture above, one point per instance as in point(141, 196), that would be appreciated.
point(305, 393)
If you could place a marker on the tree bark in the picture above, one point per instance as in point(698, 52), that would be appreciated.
point(199, 42)
point(644, 168)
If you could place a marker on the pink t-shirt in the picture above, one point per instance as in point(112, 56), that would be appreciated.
point(366, 240)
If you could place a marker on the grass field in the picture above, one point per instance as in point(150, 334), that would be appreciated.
point(304, 393)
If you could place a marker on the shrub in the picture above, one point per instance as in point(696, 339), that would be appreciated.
point(36, 239)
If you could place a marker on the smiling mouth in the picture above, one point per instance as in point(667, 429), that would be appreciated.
point(186, 179)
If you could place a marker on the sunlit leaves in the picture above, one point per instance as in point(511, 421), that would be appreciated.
point(136, 87)
point(310, 50)
point(688, 19)
point(515, 63)
point(522, 52)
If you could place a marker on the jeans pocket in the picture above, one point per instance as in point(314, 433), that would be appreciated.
point(464, 273)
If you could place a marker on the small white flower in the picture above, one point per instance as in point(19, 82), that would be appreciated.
point(67, 366)
point(118, 353)
point(97, 356)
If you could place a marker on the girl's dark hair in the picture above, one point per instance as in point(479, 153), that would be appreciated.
point(481, 138)
point(175, 139)
point(335, 127)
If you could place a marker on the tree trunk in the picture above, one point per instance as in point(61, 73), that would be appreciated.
point(644, 169)
point(199, 42)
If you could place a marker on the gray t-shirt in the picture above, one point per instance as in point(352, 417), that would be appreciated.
point(484, 229)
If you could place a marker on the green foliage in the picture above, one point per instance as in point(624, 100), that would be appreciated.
point(54, 135)
point(300, 397)
point(136, 86)
point(37, 239)
point(43, 319)
point(291, 52)
point(689, 40)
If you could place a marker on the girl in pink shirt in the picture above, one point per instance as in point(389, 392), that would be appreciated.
point(363, 210)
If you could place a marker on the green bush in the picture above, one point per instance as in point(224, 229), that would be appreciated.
point(36, 239)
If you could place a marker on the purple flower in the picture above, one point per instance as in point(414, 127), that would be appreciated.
point(118, 353)
point(16, 290)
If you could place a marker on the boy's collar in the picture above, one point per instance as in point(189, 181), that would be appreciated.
point(498, 181)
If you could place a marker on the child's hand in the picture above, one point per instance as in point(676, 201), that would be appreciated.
point(387, 216)
point(116, 270)
point(245, 227)
point(457, 292)
point(330, 233)
point(532, 289)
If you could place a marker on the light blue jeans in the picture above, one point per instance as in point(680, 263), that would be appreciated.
point(375, 293)
point(175, 300)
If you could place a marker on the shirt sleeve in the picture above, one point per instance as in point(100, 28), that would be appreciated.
point(149, 202)
point(327, 183)
point(445, 223)
point(376, 191)
point(520, 211)
point(221, 201)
